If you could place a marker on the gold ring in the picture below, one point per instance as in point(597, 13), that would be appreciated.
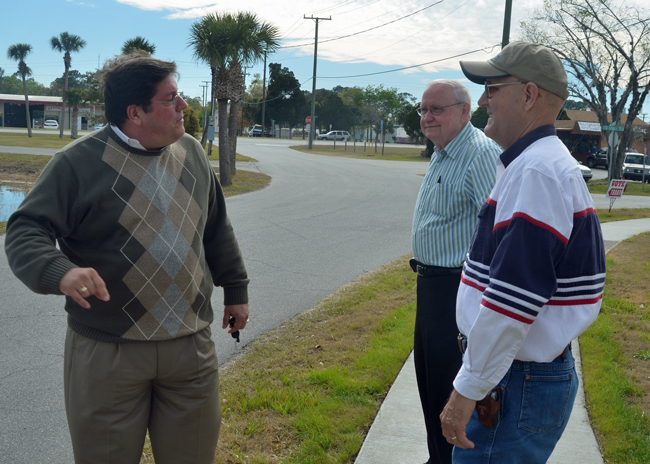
point(83, 290)
point(453, 438)
point(248, 320)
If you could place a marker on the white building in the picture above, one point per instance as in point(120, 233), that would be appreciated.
point(12, 111)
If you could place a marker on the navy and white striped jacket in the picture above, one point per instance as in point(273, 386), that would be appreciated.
point(533, 279)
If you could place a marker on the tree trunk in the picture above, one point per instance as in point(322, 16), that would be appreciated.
point(65, 89)
point(224, 155)
point(27, 118)
point(232, 135)
point(73, 124)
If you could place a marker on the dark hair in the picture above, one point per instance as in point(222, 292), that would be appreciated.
point(132, 80)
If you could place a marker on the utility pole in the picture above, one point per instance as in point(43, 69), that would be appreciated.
point(205, 109)
point(505, 40)
point(243, 94)
point(312, 124)
point(264, 96)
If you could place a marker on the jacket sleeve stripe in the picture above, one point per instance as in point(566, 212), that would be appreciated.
point(534, 222)
point(583, 213)
point(507, 313)
point(472, 284)
point(560, 302)
point(512, 305)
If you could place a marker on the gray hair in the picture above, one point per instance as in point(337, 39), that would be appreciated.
point(460, 92)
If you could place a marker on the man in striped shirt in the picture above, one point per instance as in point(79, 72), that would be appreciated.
point(460, 176)
point(534, 275)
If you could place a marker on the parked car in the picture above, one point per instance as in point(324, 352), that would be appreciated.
point(255, 131)
point(633, 167)
point(598, 159)
point(334, 135)
point(586, 172)
point(50, 124)
point(98, 126)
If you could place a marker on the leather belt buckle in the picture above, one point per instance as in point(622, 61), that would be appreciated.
point(421, 270)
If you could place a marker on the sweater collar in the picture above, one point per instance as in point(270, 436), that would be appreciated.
point(517, 148)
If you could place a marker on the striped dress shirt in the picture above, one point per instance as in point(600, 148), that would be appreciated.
point(457, 184)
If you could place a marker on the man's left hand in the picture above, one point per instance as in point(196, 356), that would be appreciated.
point(454, 419)
point(239, 312)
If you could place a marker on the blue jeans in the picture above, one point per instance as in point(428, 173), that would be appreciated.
point(535, 410)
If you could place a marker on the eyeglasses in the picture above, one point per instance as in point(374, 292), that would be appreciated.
point(171, 102)
point(496, 86)
point(434, 110)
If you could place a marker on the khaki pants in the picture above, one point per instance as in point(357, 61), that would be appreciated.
point(114, 392)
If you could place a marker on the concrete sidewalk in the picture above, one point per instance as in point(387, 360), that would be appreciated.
point(398, 435)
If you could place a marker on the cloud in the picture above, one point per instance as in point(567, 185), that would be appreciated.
point(445, 29)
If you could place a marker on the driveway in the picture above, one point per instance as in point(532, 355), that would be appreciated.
point(321, 223)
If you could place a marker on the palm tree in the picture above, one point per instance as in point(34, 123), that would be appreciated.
point(138, 44)
point(66, 43)
point(18, 52)
point(227, 42)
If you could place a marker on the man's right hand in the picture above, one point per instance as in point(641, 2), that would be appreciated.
point(80, 283)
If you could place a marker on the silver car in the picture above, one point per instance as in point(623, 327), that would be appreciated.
point(334, 135)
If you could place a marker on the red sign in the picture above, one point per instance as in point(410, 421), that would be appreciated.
point(308, 120)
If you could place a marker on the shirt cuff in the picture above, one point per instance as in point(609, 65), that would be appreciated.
point(235, 295)
point(471, 386)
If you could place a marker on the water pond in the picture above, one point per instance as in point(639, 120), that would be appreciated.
point(11, 195)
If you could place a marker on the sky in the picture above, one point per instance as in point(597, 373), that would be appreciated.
point(383, 35)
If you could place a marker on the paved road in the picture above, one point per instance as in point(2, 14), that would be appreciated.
point(320, 224)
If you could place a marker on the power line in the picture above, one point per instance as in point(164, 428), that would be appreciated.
point(369, 20)
point(490, 48)
point(367, 30)
point(418, 32)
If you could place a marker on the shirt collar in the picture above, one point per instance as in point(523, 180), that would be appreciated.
point(517, 148)
point(453, 147)
point(126, 139)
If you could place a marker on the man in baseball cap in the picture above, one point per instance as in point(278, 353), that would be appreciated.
point(534, 275)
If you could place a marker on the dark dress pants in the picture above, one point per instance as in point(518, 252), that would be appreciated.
point(436, 355)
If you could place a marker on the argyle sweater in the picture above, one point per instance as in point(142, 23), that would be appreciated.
point(533, 278)
point(153, 224)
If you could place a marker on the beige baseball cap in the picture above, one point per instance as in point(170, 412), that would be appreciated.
point(526, 61)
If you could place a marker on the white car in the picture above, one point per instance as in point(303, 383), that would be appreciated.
point(585, 171)
point(334, 135)
point(633, 167)
point(255, 131)
point(50, 124)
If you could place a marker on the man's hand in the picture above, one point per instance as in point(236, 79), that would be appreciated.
point(80, 283)
point(239, 312)
point(454, 419)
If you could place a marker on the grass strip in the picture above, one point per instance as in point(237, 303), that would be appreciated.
point(391, 153)
point(245, 182)
point(633, 188)
point(11, 139)
point(308, 391)
point(616, 379)
point(13, 163)
point(622, 214)
point(238, 157)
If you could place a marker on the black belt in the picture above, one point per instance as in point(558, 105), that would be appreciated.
point(428, 271)
point(462, 346)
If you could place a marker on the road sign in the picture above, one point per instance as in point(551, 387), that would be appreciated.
point(308, 120)
point(612, 139)
point(614, 128)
